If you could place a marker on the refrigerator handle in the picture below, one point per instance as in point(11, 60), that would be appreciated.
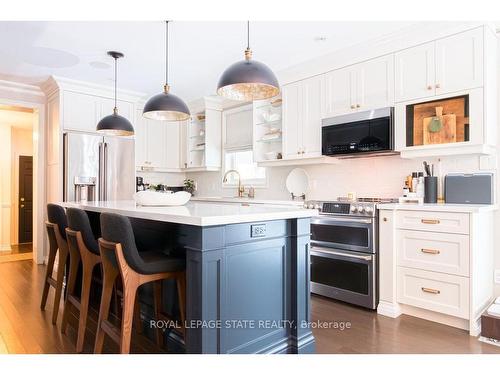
point(105, 172)
point(65, 167)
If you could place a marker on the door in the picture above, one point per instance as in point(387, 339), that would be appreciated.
point(81, 159)
point(415, 72)
point(25, 199)
point(119, 173)
point(459, 63)
point(311, 117)
point(291, 120)
point(339, 92)
point(375, 83)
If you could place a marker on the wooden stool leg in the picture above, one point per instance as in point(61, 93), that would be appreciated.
point(137, 315)
point(61, 268)
point(157, 292)
point(129, 292)
point(109, 277)
point(84, 303)
point(181, 292)
point(74, 261)
point(48, 274)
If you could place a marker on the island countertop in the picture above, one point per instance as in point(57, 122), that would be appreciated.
point(198, 213)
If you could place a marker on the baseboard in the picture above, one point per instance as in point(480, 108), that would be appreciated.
point(436, 317)
point(392, 310)
point(5, 248)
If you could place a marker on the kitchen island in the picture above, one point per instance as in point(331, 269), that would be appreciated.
point(247, 271)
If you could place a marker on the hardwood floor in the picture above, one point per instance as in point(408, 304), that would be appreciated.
point(26, 329)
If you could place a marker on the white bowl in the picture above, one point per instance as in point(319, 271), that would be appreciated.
point(271, 155)
point(154, 198)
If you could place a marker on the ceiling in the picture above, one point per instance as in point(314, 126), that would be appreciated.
point(199, 51)
point(16, 117)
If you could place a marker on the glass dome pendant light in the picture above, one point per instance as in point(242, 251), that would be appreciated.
point(248, 80)
point(166, 106)
point(115, 124)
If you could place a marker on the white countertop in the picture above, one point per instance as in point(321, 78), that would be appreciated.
point(198, 213)
point(298, 203)
point(441, 207)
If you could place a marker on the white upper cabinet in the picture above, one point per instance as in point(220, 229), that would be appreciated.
point(157, 144)
point(311, 117)
point(79, 111)
point(302, 119)
point(338, 92)
point(105, 107)
point(445, 66)
point(359, 87)
point(415, 72)
point(375, 83)
point(291, 120)
point(459, 62)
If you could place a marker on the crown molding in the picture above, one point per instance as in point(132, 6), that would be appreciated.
point(21, 88)
point(56, 83)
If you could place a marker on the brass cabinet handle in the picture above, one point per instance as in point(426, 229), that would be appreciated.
point(429, 290)
point(357, 105)
point(385, 219)
point(430, 251)
point(429, 87)
point(438, 86)
point(353, 106)
point(430, 221)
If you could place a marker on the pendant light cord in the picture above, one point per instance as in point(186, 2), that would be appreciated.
point(116, 75)
point(248, 34)
point(166, 53)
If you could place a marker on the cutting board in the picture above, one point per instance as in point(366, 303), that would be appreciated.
point(456, 105)
point(447, 133)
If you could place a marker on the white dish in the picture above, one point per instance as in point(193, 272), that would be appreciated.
point(153, 198)
point(297, 182)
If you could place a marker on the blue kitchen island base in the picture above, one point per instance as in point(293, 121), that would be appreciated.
point(248, 287)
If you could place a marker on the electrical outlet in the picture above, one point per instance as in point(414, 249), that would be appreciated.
point(497, 276)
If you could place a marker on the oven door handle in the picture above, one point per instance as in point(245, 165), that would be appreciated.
point(345, 254)
point(325, 219)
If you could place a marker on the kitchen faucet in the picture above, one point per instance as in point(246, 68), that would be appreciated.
point(241, 189)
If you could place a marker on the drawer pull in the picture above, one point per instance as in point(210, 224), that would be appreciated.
point(429, 290)
point(430, 251)
point(430, 221)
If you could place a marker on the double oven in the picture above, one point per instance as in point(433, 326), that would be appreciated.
point(344, 252)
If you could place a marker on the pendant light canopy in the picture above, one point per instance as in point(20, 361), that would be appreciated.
point(166, 106)
point(115, 124)
point(248, 79)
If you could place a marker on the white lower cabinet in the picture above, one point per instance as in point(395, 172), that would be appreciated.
point(437, 265)
point(439, 292)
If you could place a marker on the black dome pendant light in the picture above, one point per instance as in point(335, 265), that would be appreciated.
point(115, 124)
point(248, 79)
point(166, 106)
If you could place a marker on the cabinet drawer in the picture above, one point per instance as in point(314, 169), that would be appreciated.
point(440, 252)
point(439, 292)
point(433, 221)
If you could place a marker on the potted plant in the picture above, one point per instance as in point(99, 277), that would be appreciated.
point(189, 186)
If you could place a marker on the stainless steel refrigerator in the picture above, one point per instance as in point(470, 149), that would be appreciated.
point(98, 168)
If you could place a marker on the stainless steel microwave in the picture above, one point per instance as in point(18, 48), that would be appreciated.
point(358, 134)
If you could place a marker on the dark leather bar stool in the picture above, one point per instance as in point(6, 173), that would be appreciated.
point(120, 257)
point(56, 226)
point(84, 249)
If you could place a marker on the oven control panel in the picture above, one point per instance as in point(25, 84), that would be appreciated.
point(343, 208)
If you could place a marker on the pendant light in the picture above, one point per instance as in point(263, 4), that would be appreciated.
point(248, 79)
point(115, 124)
point(166, 106)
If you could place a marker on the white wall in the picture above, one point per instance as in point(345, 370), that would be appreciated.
point(5, 187)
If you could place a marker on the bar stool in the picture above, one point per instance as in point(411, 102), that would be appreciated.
point(56, 226)
point(84, 249)
point(120, 257)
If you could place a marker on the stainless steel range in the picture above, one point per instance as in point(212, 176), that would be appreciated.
point(344, 250)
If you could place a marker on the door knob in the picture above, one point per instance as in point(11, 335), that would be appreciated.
point(22, 206)
point(22, 199)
